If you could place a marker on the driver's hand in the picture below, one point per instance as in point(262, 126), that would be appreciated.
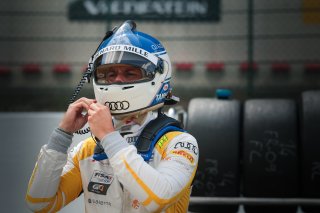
point(100, 120)
point(74, 119)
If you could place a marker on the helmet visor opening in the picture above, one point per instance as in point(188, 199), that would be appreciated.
point(121, 74)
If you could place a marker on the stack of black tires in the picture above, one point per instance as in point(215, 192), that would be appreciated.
point(262, 148)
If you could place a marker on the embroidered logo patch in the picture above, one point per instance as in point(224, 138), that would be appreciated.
point(135, 204)
point(183, 154)
point(162, 141)
point(100, 182)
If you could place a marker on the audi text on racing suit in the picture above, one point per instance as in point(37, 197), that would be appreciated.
point(122, 183)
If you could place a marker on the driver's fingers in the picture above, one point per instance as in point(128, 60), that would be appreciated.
point(85, 100)
point(80, 106)
point(97, 106)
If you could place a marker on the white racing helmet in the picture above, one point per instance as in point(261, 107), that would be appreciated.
point(130, 47)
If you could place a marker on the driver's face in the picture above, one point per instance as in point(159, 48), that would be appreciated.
point(119, 73)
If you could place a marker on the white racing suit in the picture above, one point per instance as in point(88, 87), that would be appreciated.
point(122, 183)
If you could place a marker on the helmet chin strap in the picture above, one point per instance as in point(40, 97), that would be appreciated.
point(126, 119)
point(138, 117)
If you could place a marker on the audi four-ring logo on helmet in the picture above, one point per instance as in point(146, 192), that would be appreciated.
point(117, 105)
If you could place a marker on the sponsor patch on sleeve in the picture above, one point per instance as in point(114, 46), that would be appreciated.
point(184, 154)
point(162, 143)
point(187, 145)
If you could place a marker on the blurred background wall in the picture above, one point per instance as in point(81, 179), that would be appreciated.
point(43, 53)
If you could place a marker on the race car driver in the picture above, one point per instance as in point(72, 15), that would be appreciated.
point(131, 79)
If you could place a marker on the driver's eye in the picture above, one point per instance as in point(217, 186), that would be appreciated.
point(131, 73)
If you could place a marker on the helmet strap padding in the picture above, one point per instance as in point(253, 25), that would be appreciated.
point(138, 113)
